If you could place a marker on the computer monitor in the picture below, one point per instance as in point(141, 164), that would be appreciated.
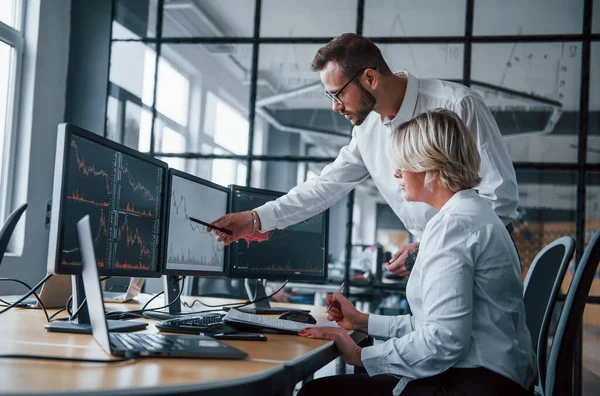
point(122, 191)
point(298, 252)
point(189, 248)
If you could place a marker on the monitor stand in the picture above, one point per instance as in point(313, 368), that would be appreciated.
point(81, 324)
point(171, 289)
point(263, 306)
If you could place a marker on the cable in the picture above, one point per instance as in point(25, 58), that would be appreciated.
point(234, 305)
point(65, 359)
point(56, 314)
point(152, 299)
point(30, 292)
point(73, 316)
point(144, 309)
point(34, 294)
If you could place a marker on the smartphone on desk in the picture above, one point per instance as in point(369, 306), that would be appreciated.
point(238, 336)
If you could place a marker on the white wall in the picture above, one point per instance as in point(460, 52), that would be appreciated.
point(42, 109)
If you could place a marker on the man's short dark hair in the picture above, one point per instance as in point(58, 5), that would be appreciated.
point(353, 53)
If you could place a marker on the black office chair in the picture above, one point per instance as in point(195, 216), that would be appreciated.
point(541, 288)
point(559, 375)
point(8, 227)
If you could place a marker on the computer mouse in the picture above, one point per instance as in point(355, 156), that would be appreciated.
point(298, 316)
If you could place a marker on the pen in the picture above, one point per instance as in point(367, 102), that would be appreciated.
point(225, 230)
point(339, 291)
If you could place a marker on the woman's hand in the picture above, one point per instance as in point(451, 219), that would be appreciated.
point(344, 343)
point(406, 255)
point(345, 315)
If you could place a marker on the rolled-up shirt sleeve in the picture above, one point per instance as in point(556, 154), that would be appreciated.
point(499, 180)
point(443, 337)
point(317, 194)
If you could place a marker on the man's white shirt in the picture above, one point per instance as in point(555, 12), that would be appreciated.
point(367, 155)
point(466, 296)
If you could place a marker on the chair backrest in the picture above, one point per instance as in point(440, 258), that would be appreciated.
point(8, 228)
point(541, 288)
point(559, 376)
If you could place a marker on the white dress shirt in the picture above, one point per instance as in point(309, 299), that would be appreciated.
point(367, 154)
point(466, 295)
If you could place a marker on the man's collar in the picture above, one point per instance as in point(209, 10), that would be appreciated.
point(409, 102)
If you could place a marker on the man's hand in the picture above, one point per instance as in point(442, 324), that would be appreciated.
point(344, 343)
point(404, 259)
point(239, 223)
point(345, 315)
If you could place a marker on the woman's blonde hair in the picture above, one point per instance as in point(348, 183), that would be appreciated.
point(438, 143)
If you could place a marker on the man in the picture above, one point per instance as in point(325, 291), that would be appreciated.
point(376, 101)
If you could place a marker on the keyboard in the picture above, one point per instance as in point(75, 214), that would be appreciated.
point(150, 342)
point(205, 323)
point(236, 317)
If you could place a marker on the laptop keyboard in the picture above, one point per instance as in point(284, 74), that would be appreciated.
point(149, 342)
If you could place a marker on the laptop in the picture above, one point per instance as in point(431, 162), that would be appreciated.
point(126, 344)
point(54, 294)
point(134, 289)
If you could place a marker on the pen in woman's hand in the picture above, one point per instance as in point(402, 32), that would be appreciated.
point(339, 291)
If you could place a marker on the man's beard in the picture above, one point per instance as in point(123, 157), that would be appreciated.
point(367, 102)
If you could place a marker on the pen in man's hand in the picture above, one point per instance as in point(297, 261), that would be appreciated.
point(339, 291)
point(204, 223)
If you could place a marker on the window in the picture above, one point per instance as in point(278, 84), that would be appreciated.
point(231, 129)
point(11, 52)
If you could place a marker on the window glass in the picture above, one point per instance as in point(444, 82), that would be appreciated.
point(242, 171)
point(136, 132)
point(138, 16)
point(399, 18)
point(8, 12)
point(307, 18)
point(533, 91)
point(224, 171)
point(132, 69)
point(172, 96)
point(547, 210)
point(593, 154)
point(231, 128)
point(112, 121)
point(5, 77)
point(209, 18)
point(518, 17)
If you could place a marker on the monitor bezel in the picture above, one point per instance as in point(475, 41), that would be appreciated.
point(204, 182)
point(232, 273)
point(65, 132)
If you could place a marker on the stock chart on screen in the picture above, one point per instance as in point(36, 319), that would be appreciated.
point(297, 252)
point(122, 195)
point(190, 248)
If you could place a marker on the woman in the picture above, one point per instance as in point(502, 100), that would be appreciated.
point(467, 334)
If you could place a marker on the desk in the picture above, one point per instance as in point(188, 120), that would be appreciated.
point(273, 367)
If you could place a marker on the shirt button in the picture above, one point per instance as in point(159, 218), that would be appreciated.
point(419, 228)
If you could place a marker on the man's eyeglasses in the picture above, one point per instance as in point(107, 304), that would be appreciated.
point(335, 96)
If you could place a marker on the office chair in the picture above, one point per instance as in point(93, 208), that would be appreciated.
point(8, 227)
point(541, 288)
point(559, 375)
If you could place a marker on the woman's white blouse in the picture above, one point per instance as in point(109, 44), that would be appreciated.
point(466, 295)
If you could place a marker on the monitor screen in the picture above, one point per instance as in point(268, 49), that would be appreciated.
point(190, 249)
point(297, 252)
point(122, 190)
